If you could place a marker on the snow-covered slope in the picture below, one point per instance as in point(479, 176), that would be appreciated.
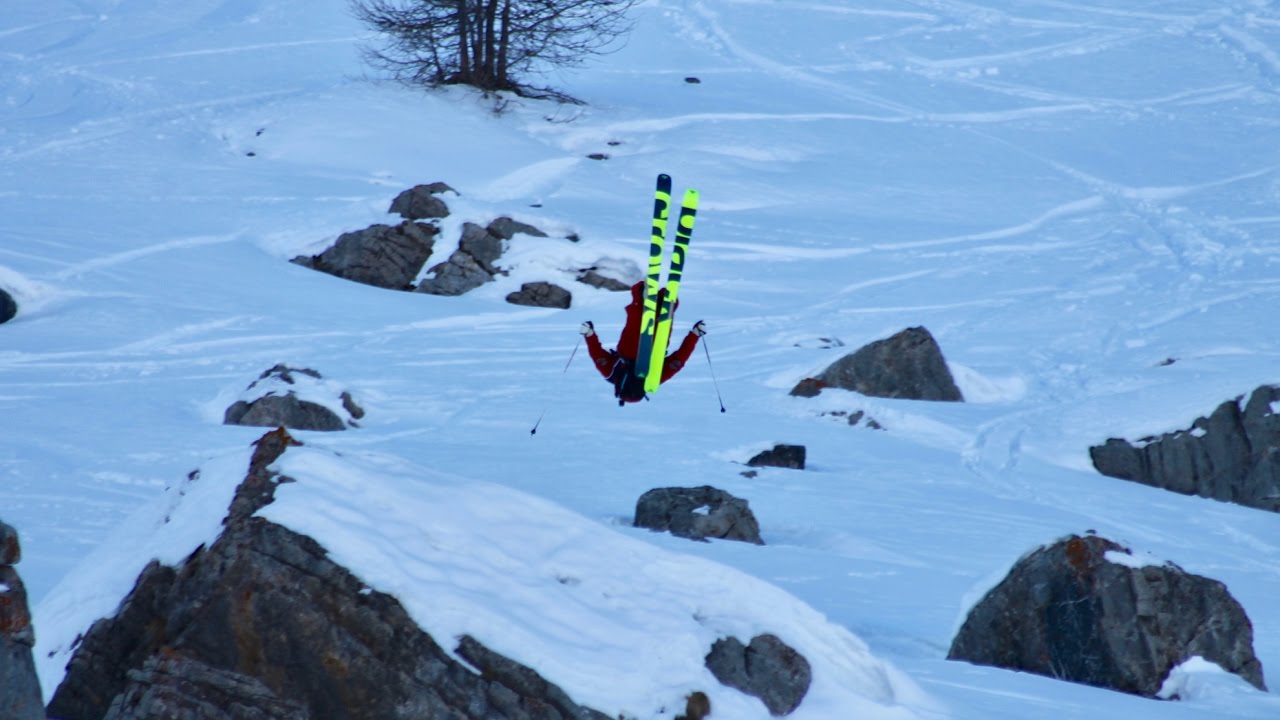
point(1067, 195)
point(622, 625)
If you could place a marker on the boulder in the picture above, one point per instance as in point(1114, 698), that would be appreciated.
point(696, 706)
point(808, 387)
point(698, 513)
point(20, 697)
point(1232, 455)
point(541, 294)
point(783, 456)
point(592, 276)
point(283, 411)
point(271, 402)
point(473, 264)
point(506, 228)
point(908, 365)
point(261, 623)
point(767, 668)
point(1085, 610)
point(386, 256)
point(612, 274)
point(8, 306)
point(420, 202)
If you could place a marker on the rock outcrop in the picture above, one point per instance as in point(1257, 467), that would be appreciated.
point(20, 697)
point(279, 398)
point(393, 256)
point(1084, 610)
point(541, 294)
point(595, 278)
point(386, 256)
point(908, 365)
point(1232, 455)
point(783, 456)
point(420, 202)
point(767, 668)
point(261, 624)
point(473, 264)
point(698, 513)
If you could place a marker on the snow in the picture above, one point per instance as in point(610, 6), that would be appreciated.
point(1203, 681)
point(1130, 559)
point(1067, 195)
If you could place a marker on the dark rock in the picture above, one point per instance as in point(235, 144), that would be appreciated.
point(273, 409)
point(591, 276)
point(541, 294)
point(1233, 455)
point(808, 387)
point(473, 264)
point(381, 255)
point(420, 202)
point(767, 668)
point(530, 694)
point(10, 547)
point(506, 228)
point(783, 456)
point(696, 707)
point(856, 417)
point(908, 365)
point(349, 404)
point(287, 374)
point(173, 687)
point(258, 489)
point(283, 410)
point(8, 306)
point(262, 624)
point(1066, 611)
point(609, 273)
point(698, 513)
point(459, 274)
point(20, 697)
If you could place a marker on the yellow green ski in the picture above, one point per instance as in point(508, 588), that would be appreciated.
point(665, 309)
point(653, 275)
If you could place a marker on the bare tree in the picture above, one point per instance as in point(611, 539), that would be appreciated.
point(489, 44)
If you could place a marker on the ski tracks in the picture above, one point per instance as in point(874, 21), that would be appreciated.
point(1251, 53)
point(795, 74)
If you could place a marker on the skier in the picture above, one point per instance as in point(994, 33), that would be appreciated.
point(617, 366)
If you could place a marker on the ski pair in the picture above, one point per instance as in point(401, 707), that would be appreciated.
point(655, 322)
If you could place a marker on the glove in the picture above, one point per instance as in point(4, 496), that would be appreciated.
point(587, 329)
point(699, 328)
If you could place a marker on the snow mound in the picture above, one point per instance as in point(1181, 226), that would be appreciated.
point(619, 624)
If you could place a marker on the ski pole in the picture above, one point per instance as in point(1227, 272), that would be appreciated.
point(564, 372)
point(713, 373)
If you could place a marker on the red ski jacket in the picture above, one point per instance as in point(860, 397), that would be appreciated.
point(629, 341)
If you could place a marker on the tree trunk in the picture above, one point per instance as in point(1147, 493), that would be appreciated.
point(464, 42)
point(504, 42)
point(490, 43)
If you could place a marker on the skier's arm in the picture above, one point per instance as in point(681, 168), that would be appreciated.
point(601, 358)
point(676, 360)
